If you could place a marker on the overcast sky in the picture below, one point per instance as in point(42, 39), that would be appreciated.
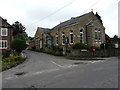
point(48, 13)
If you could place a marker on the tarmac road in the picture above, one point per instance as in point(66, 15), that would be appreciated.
point(47, 71)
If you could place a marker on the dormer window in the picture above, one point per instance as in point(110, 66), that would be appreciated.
point(4, 31)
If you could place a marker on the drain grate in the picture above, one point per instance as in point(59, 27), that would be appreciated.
point(20, 73)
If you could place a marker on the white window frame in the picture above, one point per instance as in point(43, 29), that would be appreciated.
point(97, 32)
point(82, 35)
point(56, 38)
point(63, 38)
point(71, 32)
point(2, 46)
point(99, 35)
point(6, 31)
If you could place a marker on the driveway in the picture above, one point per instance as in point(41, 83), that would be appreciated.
point(43, 70)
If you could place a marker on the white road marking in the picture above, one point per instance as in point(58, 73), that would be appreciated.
point(56, 64)
point(40, 72)
point(45, 71)
point(69, 66)
point(8, 78)
point(97, 61)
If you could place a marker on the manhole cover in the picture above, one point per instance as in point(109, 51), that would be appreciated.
point(20, 73)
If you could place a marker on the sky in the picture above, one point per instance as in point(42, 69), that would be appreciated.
point(49, 13)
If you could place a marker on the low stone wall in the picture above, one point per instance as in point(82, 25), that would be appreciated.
point(98, 53)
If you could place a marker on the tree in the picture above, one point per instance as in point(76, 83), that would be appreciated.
point(19, 45)
point(19, 30)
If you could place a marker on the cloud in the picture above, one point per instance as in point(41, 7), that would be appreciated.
point(43, 13)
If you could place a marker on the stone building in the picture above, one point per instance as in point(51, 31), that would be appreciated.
point(87, 29)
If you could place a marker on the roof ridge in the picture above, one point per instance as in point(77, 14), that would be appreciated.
point(74, 19)
point(43, 28)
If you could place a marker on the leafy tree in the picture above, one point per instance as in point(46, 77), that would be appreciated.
point(19, 30)
point(19, 45)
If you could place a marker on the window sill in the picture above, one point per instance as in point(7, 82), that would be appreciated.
point(3, 48)
point(71, 43)
point(4, 35)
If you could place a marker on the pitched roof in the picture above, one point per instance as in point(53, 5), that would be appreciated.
point(4, 23)
point(73, 20)
point(43, 30)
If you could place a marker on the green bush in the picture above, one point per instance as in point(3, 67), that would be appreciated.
point(33, 48)
point(58, 48)
point(55, 52)
point(19, 45)
point(79, 46)
point(107, 46)
point(6, 54)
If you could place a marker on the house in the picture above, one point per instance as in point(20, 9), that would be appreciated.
point(114, 41)
point(5, 34)
point(87, 29)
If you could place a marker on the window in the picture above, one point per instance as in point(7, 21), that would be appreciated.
point(81, 36)
point(3, 44)
point(97, 34)
point(56, 39)
point(63, 38)
point(71, 37)
point(3, 31)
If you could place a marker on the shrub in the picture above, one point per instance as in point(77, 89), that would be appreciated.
point(54, 52)
point(107, 46)
point(79, 46)
point(19, 45)
point(11, 62)
point(57, 48)
point(33, 48)
point(6, 54)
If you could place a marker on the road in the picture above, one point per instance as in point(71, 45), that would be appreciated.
point(47, 71)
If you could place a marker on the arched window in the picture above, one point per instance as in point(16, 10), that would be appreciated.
point(56, 38)
point(63, 38)
point(71, 37)
point(81, 36)
point(97, 34)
